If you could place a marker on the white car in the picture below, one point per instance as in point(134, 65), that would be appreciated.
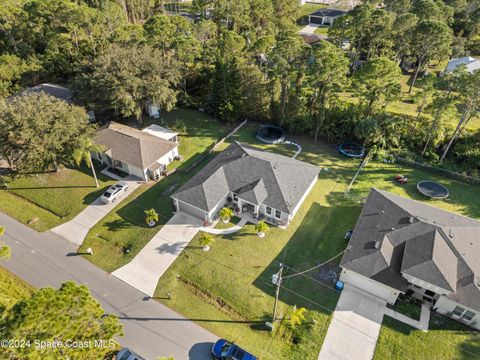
point(114, 192)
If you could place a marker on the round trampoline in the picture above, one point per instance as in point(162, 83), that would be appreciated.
point(270, 134)
point(432, 189)
point(352, 150)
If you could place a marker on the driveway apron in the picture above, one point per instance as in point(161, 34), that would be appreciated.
point(144, 271)
point(355, 326)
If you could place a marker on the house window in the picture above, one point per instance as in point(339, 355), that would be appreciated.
point(268, 210)
point(458, 311)
point(278, 214)
point(468, 316)
point(429, 293)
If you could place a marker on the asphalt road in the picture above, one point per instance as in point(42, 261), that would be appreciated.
point(151, 329)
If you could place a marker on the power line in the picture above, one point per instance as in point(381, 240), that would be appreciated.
point(313, 268)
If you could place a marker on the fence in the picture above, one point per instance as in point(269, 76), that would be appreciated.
point(449, 173)
point(210, 149)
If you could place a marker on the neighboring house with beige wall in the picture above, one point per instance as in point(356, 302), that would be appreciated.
point(405, 246)
point(135, 152)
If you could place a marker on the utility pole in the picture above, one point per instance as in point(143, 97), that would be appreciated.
point(277, 280)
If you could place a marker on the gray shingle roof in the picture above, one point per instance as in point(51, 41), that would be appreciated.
point(260, 176)
point(394, 234)
point(132, 146)
point(53, 90)
point(328, 12)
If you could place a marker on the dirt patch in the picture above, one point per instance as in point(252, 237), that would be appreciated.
point(328, 273)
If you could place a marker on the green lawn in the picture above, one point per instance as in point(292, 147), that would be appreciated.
point(228, 290)
point(124, 228)
point(446, 339)
point(322, 30)
point(12, 289)
point(46, 200)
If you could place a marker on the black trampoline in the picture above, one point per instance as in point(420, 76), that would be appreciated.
point(432, 189)
point(270, 134)
point(352, 150)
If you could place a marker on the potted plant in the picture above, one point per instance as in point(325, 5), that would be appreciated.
point(206, 240)
point(225, 214)
point(151, 217)
point(261, 228)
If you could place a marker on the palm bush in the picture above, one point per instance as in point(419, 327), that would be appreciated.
point(206, 240)
point(225, 214)
point(261, 228)
point(151, 217)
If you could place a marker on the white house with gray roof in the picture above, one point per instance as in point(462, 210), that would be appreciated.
point(405, 246)
point(268, 185)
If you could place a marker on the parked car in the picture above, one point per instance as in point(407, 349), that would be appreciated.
point(225, 350)
point(127, 354)
point(114, 192)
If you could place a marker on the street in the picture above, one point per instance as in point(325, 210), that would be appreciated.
point(151, 329)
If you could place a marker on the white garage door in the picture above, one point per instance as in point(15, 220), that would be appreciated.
point(191, 210)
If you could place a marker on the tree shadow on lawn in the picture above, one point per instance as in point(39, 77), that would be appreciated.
point(319, 237)
point(117, 225)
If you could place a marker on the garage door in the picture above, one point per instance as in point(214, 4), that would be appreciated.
point(315, 20)
point(191, 210)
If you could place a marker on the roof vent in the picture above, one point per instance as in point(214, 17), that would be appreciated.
point(393, 228)
point(382, 212)
point(450, 233)
point(377, 244)
point(410, 219)
point(244, 154)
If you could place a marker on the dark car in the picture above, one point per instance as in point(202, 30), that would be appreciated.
point(225, 350)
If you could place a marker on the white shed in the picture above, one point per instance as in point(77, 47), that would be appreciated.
point(161, 132)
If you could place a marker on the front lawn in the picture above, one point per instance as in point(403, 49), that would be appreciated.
point(46, 200)
point(120, 235)
point(228, 290)
point(446, 339)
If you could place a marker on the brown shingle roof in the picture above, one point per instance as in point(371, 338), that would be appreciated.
point(132, 146)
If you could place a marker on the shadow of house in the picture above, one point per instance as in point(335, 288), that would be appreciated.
point(319, 237)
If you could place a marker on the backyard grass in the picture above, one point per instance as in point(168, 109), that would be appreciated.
point(45, 200)
point(12, 289)
point(124, 228)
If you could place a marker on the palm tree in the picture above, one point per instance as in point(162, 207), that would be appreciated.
point(297, 316)
point(4, 248)
point(261, 228)
point(206, 240)
point(83, 154)
point(151, 217)
point(225, 214)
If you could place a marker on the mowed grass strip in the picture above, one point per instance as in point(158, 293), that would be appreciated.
point(45, 200)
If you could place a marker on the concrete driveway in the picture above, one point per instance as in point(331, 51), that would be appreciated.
point(309, 29)
point(76, 229)
point(144, 271)
point(355, 325)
